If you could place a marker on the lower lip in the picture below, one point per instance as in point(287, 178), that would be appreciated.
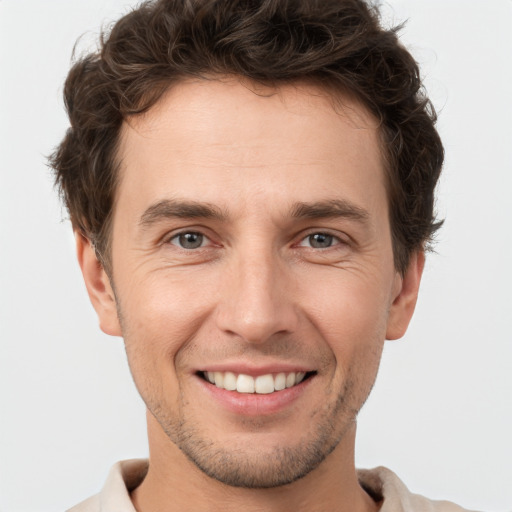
point(255, 404)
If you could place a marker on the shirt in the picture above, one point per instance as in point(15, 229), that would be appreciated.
point(380, 483)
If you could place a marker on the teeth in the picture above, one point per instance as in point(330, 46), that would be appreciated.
point(263, 384)
point(245, 384)
point(230, 381)
point(280, 381)
point(219, 379)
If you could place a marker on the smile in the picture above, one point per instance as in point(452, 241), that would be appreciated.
point(262, 384)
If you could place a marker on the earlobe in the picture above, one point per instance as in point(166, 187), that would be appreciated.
point(403, 305)
point(98, 286)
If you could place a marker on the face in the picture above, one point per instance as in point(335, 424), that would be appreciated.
point(253, 278)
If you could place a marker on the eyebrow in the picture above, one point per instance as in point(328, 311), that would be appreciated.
point(330, 209)
point(172, 209)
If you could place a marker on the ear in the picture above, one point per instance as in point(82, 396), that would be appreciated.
point(98, 286)
point(406, 294)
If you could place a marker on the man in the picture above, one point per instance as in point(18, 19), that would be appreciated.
point(251, 185)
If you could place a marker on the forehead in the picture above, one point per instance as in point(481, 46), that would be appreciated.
point(220, 107)
point(227, 140)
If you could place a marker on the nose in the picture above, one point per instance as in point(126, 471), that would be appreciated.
point(256, 300)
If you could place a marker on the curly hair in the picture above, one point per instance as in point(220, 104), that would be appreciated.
point(338, 44)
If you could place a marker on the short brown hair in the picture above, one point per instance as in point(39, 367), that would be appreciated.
point(336, 43)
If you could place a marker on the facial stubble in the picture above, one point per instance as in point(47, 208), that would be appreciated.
point(246, 466)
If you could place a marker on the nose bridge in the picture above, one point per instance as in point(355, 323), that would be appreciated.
point(256, 302)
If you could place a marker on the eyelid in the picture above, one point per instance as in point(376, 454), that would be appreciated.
point(171, 235)
point(204, 240)
point(339, 237)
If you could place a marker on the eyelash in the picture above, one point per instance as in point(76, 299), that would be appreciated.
point(178, 236)
point(334, 239)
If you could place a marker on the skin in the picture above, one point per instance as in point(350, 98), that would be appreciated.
point(275, 169)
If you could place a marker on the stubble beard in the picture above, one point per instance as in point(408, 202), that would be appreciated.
point(246, 466)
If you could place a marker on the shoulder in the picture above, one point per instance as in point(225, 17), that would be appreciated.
point(115, 495)
point(383, 485)
point(91, 504)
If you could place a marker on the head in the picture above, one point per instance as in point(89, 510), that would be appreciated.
point(252, 184)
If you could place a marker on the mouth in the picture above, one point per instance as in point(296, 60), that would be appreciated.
point(262, 384)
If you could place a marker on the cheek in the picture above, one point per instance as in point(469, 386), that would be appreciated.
point(354, 328)
point(351, 316)
point(164, 305)
point(160, 316)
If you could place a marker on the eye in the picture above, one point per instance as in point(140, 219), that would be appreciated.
point(189, 240)
point(320, 241)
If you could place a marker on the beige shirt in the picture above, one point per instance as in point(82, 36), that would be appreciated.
point(380, 483)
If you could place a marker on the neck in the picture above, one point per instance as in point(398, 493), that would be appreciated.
point(173, 483)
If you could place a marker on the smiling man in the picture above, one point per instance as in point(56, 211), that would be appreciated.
point(251, 187)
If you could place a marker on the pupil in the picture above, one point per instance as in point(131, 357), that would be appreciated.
point(320, 240)
point(191, 240)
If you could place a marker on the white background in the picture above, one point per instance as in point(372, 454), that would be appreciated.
point(441, 413)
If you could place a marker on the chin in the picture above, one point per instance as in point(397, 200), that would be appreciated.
point(258, 458)
point(262, 469)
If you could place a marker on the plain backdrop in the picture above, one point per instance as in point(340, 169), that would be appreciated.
point(440, 415)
